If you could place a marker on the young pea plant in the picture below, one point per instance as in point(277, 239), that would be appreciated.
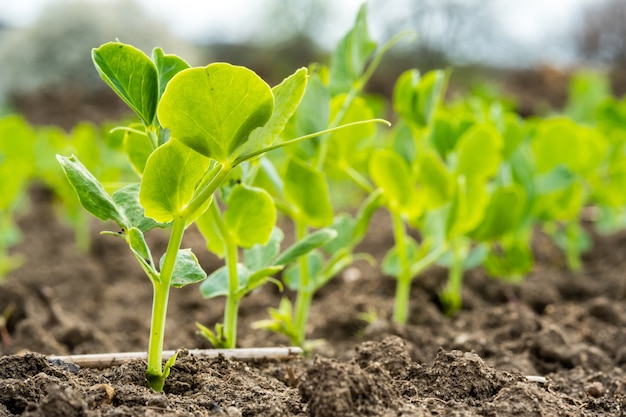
point(16, 169)
point(454, 202)
point(567, 159)
point(197, 125)
point(248, 223)
point(300, 185)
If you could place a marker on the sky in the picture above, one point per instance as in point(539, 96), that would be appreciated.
point(529, 22)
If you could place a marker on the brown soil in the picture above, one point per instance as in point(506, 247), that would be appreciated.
point(566, 327)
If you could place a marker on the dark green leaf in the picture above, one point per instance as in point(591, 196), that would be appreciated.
point(128, 199)
point(91, 193)
point(132, 75)
point(187, 270)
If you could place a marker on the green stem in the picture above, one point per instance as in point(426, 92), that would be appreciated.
point(155, 374)
point(452, 296)
point(305, 290)
point(355, 90)
point(359, 179)
point(153, 136)
point(251, 155)
point(403, 287)
point(205, 192)
point(572, 250)
point(232, 301)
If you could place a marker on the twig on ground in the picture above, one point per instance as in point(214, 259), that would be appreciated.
point(105, 360)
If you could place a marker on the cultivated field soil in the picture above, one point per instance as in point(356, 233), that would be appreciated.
point(568, 328)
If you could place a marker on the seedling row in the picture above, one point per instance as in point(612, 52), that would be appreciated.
point(218, 148)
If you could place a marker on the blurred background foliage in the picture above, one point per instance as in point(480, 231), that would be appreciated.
point(47, 72)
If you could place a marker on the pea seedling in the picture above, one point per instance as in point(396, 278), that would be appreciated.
point(197, 125)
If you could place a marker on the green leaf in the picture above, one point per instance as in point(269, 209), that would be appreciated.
point(416, 98)
point(307, 191)
point(214, 109)
point(479, 152)
point(510, 261)
point(287, 96)
point(137, 243)
point(343, 224)
point(364, 215)
point(167, 66)
point(503, 214)
point(313, 112)
point(260, 277)
point(392, 174)
point(467, 207)
point(291, 276)
point(306, 245)
point(260, 256)
point(436, 182)
point(187, 270)
point(347, 144)
point(169, 180)
point(208, 227)
point(128, 199)
point(92, 195)
point(132, 75)
point(251, 215)
point(216, 285)
point(347, 62)
point(560, 141)
point(138, 148)
point(391, 262)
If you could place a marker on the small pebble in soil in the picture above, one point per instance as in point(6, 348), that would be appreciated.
point(351, 274)
point(595, 389)
point(233, 412)
point(159, 401)
point(101, 394)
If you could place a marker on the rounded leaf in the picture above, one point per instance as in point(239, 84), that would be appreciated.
point(214, 109)
point(251, 215)
point(169, 180)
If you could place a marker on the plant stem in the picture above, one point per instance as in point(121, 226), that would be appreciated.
point(204, 194)
point(305, 291)
point(155, 374)
point(453, 299)
point(359, 179)
point(232, 301)
point(403, 287)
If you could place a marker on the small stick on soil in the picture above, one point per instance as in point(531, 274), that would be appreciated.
point(105, 360)
point(538, 379)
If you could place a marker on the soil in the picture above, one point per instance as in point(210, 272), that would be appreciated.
point(568, 328)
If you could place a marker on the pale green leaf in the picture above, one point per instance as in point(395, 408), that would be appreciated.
point(392, 174)
point(208, 227)
point(214, 109)
point(307, 191)
point(167, 66)
point(287, 97)
point(348, 61)
point(138, 148)
point(260, 256)
point(304, 246)
point(479, 152)
point(169, 180)
point(251, 215)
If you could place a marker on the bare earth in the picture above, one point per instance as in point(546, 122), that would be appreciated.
point(566, 327)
